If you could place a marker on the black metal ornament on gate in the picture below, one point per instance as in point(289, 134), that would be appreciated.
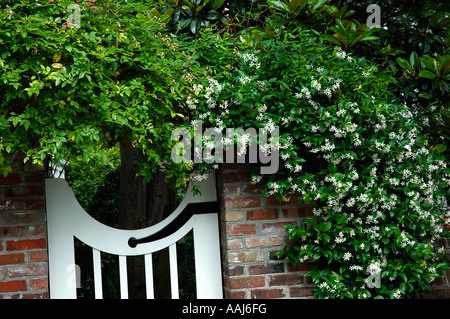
point(178, 222)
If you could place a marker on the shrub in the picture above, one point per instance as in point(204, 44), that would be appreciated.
point(348, 145)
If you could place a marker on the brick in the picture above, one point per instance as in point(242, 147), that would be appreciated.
point(41, 295)
point(242, 202)
point(26, 244)
point(29, 270)
point(29, 296)
point(254, 189)
point(37, 230)
point(35, 178)
point(236, 271)
point(35, 204)
point(11, 205)
point(33, 217)
point(2, 274)
point(39, 284)
point(275, 227)
point(273, 201)
point(245, 256)
point(266, 293)
point(302, 292)
point(10, 259)
point(18, 231)
point(252, 242)
point(233, 216)
point(37, 256)
point(271, 241)
point(260, 214)
point(233, 244)
point(263, 241)
point(247, 282)
point(241, 229)
point(236, 295)
point(270, 269)
point(304, 266)
point(229, 190)
point(285, 280)
point(13, 286)
point(11, 179)
point(297, 212)
point(24, 191)
point(436, 293)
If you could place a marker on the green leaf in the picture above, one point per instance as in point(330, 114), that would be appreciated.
point(319, 4)
point(217, 4)
point(327, 226)
point(424, 95)
point(195, 25)
point(341, 26)
point(404, 63)
point(439, 148)
point(184, 23)
point(427, 74)
point(428, 62)
point(213, 15)
point(280, 5)
point(330, 38)
point(366, 37)
point(413, 59)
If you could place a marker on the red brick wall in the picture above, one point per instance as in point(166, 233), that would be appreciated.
point(23, 234)
point(252, 230)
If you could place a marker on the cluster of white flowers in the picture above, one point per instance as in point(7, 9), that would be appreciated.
point(374, 268)
point(250, 59)
point(356, 268)
point(245, 79)
point(406, 240)
point(273, 188)
point(191, 103)
point(255, 179)
point(342, 55)
point(333, 288)
point(363, 187)
point(397, 294)
point(200, 177)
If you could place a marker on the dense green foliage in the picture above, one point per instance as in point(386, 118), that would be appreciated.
point(96, 184)
point(67, 89)
point(423, 34)
point(349, 145)
point(363, 114)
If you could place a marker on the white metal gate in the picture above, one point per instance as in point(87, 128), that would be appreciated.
point(67, 220)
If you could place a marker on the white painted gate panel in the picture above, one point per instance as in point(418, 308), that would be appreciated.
point(66, 219)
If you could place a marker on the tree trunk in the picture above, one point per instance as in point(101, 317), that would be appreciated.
point(132, 190)
point(142, 205)
point(161, 202)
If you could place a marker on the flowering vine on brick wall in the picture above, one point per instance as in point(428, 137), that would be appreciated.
point(349, 145)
